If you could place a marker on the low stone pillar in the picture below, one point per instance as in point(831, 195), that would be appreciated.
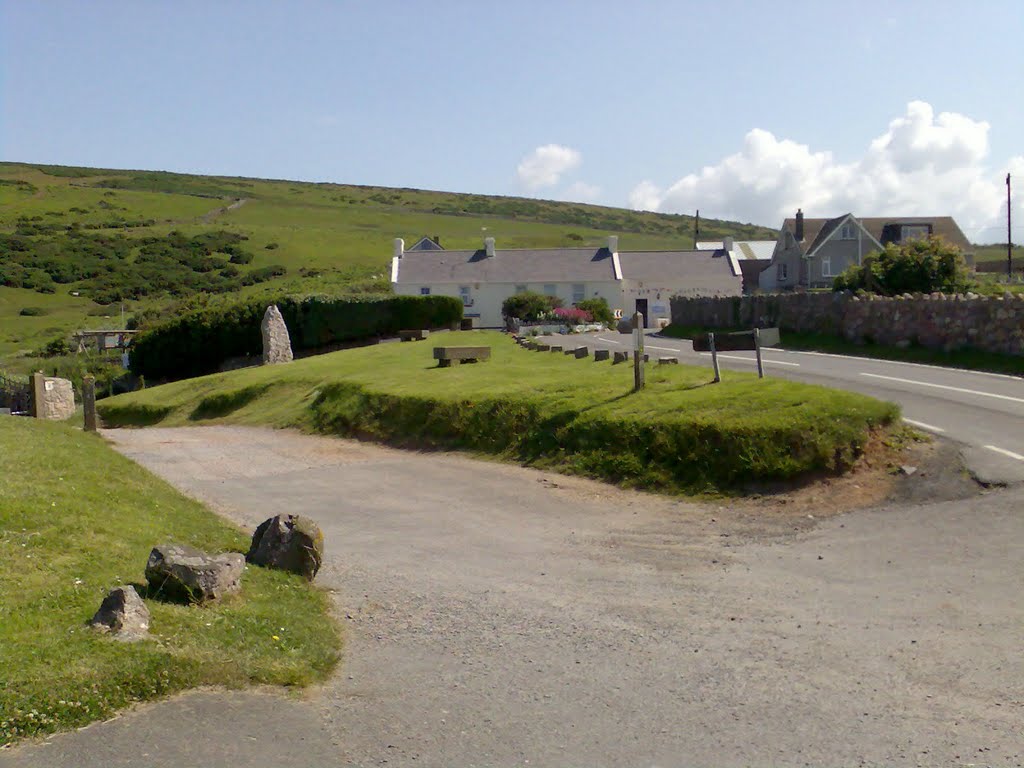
point(277, 345)
point(581, 352)
point(52, 398)
point(668, 361)
point(620, 357)
point(555, 348)
point(601, 354)
point(89, 403)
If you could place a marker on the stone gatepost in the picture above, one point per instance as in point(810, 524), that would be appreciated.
point(277, 345)
point(52, 398)
point(89, 403)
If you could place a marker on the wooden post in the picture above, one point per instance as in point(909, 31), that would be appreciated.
point(36, 408)
point(714, 357)
point(757, 351)
point(89, 402)
point(638, 352)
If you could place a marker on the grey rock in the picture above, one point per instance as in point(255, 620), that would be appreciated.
point(277, 344)
point(122, 614)
point(290, 543)
point(181, 572)
point(625, 325)
point(601, 354)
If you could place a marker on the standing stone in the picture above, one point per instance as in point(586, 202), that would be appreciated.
point(185, 573)
point(52, 398)
point(277, 345)
point(290, 543)
point(122, 614)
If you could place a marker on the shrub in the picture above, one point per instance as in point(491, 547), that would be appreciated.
point(572, 315)
point(271, 246)
point(33, 312)
point(529, 306)
point(918, 266)
point(55, 348)
point(197, 342)
point(241, 257)
point(598, 309)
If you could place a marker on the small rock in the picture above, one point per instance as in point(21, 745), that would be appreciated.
point(290, 543)
point(907, 470)
point(187, 573)
point(123, 614)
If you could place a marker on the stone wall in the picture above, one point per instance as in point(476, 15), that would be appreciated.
point(52, 398)
point(935, 321)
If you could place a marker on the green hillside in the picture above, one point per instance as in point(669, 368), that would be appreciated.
point(78, 243)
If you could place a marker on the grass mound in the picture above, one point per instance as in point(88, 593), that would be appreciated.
point(680, 434)
point(77, 518)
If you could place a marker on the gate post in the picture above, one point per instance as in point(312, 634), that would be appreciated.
point(89, 402)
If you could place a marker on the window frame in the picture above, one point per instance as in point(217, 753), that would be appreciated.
point(826, 266)
point(466, 294)
point(782, 271)
point(848, 231)
point(424, 290)
point(521, 288)
point(582, 292)
point(553, 287)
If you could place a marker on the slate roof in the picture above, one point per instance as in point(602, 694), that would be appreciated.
point(884, 229)
point(709, 271)
point(744, 249)
point(515, 265)
point(425, 244)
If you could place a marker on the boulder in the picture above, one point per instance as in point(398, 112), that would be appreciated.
point(290, 543)
point(277, 344)
point(625, 325)
point(186, 573)
point(122, 614)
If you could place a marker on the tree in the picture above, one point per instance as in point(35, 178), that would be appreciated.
point(598, 309)
point(922, 265)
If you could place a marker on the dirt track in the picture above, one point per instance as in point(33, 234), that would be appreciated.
point(500, 616)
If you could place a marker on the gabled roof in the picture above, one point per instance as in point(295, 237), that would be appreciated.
point(884, 229)
point(517, 265)
point(707, 272)
point(743, 249)
point(426, 244)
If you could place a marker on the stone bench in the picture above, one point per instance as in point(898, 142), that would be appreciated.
point(413, 335)
point(601, 354)
point(449, 356)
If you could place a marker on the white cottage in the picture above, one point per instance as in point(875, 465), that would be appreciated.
point(630, 281)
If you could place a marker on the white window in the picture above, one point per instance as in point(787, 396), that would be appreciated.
point(579, 293)
point(467, 300)
point(848, 231)
point(550, 289)
point(520, 289)
point(783, 271)
point(425, 291)
point(826, 266)
point(910, 231)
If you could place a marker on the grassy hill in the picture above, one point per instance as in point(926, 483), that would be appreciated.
point(77, 243)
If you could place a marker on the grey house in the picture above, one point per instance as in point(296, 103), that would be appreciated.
point(810, 253)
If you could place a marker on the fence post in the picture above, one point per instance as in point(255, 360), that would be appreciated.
point(638, 352)
point(757, 351)
point(38, 395)
point(714, 357)
point(89, 402)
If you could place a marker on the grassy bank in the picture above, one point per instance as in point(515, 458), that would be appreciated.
point(970, 359)
point(77, 518)
point(578, 416)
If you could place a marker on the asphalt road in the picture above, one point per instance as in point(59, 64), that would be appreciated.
point(983, 412)
point(500, 616)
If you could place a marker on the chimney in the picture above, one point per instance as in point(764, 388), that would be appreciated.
point(727, 244)
point(399, 247)
point(799, 234)
point(613, 243)
point(489, 247)
point(437, 239)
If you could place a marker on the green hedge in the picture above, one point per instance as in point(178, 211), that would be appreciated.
point(198, 342)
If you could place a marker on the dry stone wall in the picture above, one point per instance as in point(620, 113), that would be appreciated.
point(935, 321)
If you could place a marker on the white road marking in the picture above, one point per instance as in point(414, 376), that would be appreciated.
point(883, 361)
point(922, 425)
point(663, 349)
point(765, 360)
point(610, 341)
point(945, 386)
point(1005, 452)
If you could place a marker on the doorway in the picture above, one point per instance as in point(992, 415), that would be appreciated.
point(641, 307)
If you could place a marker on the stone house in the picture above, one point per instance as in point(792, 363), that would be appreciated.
point(810, 253)
point(629, 281)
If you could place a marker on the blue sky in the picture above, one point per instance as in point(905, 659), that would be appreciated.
point(743, 109)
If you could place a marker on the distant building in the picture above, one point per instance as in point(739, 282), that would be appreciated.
point(748, 257)
point(630, 281)
point(810, 253)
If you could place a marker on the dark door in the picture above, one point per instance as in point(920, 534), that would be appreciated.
point(641, 307)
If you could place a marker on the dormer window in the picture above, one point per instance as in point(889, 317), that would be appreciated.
point(848, 231)
point(911, 231)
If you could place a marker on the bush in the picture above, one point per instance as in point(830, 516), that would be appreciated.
point(271, 246)
point(198, 342)
point(572, 315)
point(239, 256)
point(529, 306)
point(918, 266)
point(33, 312)
point(56, 348)
point(598, 309)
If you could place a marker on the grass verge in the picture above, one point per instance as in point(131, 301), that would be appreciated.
point(968, 359)
point(680, 435)
point(77, 518)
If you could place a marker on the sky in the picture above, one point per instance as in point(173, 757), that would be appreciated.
point(744, 110)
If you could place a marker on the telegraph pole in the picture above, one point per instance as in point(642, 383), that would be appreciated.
point(1009, 234)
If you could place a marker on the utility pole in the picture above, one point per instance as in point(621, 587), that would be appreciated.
point(1009, 234)
point(696, 229)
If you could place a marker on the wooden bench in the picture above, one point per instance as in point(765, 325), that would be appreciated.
point(449, 356)
point(416, 335)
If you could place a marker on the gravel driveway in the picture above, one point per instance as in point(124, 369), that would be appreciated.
point(502, 616)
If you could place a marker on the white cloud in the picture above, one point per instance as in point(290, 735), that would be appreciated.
point(581, 192)
point(922, 164)
point(544, 166)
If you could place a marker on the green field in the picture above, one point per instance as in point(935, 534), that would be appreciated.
point(327, 236)
point(76, 519)
point(680, 435)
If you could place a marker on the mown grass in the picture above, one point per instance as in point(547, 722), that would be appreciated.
point(969, 359)
point(77, 518)
point(680, 435)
